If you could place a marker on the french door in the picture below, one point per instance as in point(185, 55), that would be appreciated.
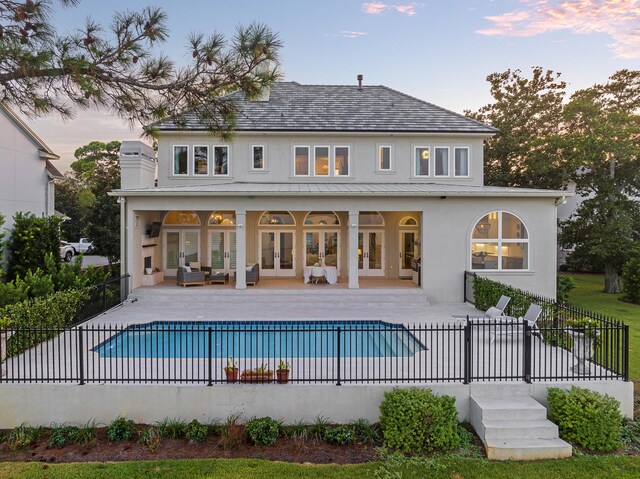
point(408, 251)
point(222, 251)
point(277, 253)
point(322, 247)
point(181, 247)
point(371, 253)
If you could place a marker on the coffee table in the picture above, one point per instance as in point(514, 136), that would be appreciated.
point(221, 278)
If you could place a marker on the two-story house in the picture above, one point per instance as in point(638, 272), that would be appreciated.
point(27, 179)
point(360, 178)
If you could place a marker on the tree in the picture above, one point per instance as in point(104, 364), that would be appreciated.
point(116, 67)
point(602, 139)
point(88, 156)
point(528, 113)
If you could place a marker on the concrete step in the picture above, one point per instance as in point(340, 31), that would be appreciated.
point(520, 408)
point(529, 429)
point(522, 449)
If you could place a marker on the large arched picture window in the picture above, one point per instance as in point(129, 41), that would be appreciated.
point(276, 218)
point(182, 218)
point(222, 218)
point(321, 218)
point(500, 242)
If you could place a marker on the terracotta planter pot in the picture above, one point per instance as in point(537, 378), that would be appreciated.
point(232, 375)
point(283, 377)
point(255, 378)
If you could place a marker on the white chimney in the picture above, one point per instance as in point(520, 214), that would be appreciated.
point(137, 165)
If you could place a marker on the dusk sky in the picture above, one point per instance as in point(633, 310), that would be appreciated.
point(437, 50)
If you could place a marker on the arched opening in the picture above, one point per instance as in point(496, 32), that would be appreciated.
point(222, 218)
point(276, 218)
point(321, 218)
point(181, 218)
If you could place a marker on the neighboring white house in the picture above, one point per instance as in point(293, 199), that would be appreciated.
point(361, 178)
point(27, 179)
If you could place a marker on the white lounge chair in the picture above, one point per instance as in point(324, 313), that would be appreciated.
point(510, 327)
point(492, 312)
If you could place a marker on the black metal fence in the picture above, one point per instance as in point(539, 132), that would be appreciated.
point(104, 296)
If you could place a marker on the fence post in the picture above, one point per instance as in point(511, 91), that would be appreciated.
point(467, 351)
point(338, 354)
point(625, 353)
point(209, 354)
point(80, 355)
point(526, 351)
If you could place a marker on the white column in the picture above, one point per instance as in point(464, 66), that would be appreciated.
point(352, 244)
point(241, 249)
point(424, 223)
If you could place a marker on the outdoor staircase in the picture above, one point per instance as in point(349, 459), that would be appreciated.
point(515, 427)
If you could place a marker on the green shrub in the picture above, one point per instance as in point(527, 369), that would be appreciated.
point(299, 431)
point(196, 432)
point(487, 292)
point(564, 285)
point(149, 438)
point(83, 434)
point(340, 435)
point(319, 427)
point(263, 431)
point(365, 432)
point(415, 420)
point(121, 429)
point(22, 437)
point(588, 418)
point(172, 428)
point(631, 277)
point(58, 437)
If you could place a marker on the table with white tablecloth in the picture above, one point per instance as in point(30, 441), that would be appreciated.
point(330, 272)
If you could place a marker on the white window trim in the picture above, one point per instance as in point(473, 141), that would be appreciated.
point(378, 159)
point(312, 171)
point(193, 155)
point(453, 165)
point(499, 242)
point(264, 158)
point(448, 173)
point(414, 161)
point(332, 161)
point(173, 161)
point(308, 147)
point(213, 160)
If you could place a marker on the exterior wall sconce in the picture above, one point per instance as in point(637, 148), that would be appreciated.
point(240, 225)
point(354, 225)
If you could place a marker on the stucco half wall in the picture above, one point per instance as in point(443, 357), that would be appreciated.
point(25, 403)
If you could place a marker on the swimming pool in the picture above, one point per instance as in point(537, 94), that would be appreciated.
point(260, 339)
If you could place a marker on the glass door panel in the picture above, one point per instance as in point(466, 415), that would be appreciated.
point(360, 251)
point(312, 245)
point(371, 253)
point(191, 246)
point(217, 250)
point(407, 251)
point(285, 254)
point(330, 254)
point(172, 252)
point(267, 252)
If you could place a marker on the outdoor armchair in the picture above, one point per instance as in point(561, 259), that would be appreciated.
point(253, 274)
point(492, 312)
point(186, 277)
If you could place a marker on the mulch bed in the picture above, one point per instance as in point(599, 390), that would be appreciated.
point(102, 450)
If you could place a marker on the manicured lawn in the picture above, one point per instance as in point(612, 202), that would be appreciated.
point(589, 294)
point(577, 467)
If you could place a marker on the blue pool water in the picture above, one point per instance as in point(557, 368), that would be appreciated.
point(260, 339)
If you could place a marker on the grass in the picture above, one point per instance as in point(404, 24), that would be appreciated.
point(620, 467)
point(589, 294)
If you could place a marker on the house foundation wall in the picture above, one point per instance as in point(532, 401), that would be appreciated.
point(25, 403)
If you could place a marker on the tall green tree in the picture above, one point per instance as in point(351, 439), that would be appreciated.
point(527, 111)
point(602, 138)
point(119, 67)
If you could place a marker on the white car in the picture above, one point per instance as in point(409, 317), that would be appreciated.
point(66, 251)
point(83, 246)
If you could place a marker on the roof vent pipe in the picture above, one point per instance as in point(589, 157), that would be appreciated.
point(360, 77)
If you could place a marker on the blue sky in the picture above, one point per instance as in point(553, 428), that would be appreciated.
point(437, 50)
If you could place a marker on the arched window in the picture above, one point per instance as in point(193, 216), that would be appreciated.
point(321, 218)
point(222, 218)
point(500, 242)
point(408, 221)
point(276, 218)
point(182, 218)
point(370, 218)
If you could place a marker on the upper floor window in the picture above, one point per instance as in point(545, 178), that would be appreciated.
point(301, 166)
point(321, 160)
point(461, 167)
point(200, 160)
point(180, 160)
point(341, 158)
point(384, 158)
point(422, 154)
point(442, 161)
point(257, 156)
point(499, 242)
point(221, 160)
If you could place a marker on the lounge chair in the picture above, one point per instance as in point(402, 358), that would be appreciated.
point(186, 277)
point(531, 316)
point(492, 312)
point(252, 274)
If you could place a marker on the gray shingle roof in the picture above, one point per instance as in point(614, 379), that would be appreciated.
point(340, 189)
point(343, 108)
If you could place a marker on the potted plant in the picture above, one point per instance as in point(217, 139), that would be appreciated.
point(231, 370)
point(282, 373)
point(585, 336)
point(261, 374)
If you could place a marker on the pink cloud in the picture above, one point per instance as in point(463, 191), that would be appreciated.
point(617, 18)
point(376, 8)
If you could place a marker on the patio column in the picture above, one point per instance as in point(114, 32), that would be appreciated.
point(352, 244)
point(241, 249)
point(423, 237)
